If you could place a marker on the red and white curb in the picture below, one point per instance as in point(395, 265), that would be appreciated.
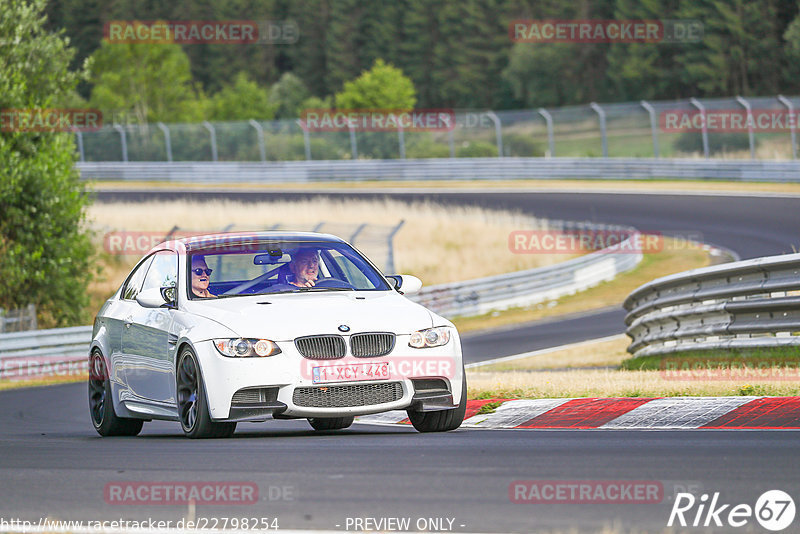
point(679, 413)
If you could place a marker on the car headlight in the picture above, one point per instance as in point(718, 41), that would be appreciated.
point(430, 337)
point(246, 347)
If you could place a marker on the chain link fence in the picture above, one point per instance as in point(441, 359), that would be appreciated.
point(629, 130)
point(18, 320)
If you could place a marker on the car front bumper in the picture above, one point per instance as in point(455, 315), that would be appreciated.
point(254, 389)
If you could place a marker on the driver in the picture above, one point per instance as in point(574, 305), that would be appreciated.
point(304, 268)
point(201, 277)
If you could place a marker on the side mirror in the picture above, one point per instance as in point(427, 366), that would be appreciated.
point(170, 296)
point(151, 298)
point(405, 283)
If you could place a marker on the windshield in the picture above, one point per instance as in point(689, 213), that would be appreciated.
point(281, 267)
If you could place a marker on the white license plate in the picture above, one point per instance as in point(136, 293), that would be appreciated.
point(351, 372)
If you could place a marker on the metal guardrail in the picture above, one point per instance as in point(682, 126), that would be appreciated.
point(746, 304)
point(443, 169)
point(33, 353)
point(56, 351)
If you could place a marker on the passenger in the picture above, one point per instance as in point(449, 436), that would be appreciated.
point(304, 268)
point(201, 277)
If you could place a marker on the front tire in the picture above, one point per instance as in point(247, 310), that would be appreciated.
point(192, 403)
point(330, 423)
point(442, 420)
point(101, 405)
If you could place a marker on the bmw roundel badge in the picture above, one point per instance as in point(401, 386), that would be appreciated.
point(344, 328)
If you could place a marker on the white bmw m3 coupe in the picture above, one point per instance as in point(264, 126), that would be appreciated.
point(218, 329)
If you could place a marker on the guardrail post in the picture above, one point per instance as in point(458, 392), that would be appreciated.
point(167, 141)
point(402, 140)
point(79, 139)
point(123, 142)
point(390, 245)
point(653, 125)
point(696, 103)
point(497, 132)
point(213, 135)
point(260, 134)
point(551, 140)
point(602, 117)
point(792, 126)
point(353, 142)
point(747, 107)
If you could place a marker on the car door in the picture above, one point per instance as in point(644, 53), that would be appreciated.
point(150, 372)
point(118, 314)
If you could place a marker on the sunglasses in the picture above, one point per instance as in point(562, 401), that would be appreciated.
point(199, 271)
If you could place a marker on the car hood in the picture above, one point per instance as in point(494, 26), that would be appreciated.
point(285, 317)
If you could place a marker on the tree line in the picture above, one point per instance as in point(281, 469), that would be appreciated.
point(457, 53)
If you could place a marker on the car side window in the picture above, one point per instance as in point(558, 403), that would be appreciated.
point(134, 283)
point(163, 271)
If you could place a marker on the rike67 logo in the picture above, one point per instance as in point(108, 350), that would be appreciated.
point(774, 510)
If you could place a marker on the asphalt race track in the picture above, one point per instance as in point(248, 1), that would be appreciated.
point(52, 464)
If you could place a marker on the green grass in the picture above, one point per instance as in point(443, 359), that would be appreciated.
point(716, 359)
point(489, 407)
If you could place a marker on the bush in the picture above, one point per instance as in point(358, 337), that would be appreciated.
point(717, 142)
point(476, 149)
point(522, 146)
point(428, 149)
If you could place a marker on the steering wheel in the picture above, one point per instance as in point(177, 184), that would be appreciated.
point(333, 283)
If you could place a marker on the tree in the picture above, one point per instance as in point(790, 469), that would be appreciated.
point(44, 244)
point(145, 82)
point(382, 87)
point(740, 50)
point(242, 100)
point(532, 69)
point(287, 96)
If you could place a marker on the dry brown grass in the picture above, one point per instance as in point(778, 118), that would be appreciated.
point(610, 352)
point(676, 257)
point(437, 243)
point(536, 377)
point(611, 383)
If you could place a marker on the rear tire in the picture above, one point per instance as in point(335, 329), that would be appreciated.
point(330, 423)
point(101, 405)
point(442, 420)
point(192, 403)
